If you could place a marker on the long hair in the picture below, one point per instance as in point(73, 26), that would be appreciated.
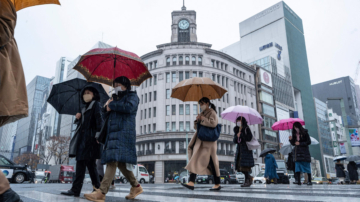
point(299, 126)
point(207, 100)
point(94, 91)
point(243, 121)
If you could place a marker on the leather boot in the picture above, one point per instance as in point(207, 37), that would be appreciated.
point(275, 180)
point(268, 181)
point(247, 183)
point(299, 178)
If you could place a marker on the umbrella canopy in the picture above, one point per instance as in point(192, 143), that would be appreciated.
point(266, 151)
point(250, 114)
point(314, 141)
point(20, 4)
point(340, 158)
point(353, 158)
point(286, 124)
point(286, 149)
point(66, 98)
point(196, 88)
point(103, 65)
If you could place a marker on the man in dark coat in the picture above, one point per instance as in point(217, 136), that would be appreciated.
point(340, 169)
point(119, 147)
point(353, 174)
point(86, 148)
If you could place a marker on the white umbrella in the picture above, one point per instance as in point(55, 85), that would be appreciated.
point(340, 158)
point(314, 141)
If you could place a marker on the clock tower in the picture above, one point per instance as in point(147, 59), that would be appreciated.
point(183, 28)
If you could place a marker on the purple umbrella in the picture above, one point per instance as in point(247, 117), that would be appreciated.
point(250, 114)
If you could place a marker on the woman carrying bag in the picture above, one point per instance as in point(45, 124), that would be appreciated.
point(244, 159)
point(203, 159)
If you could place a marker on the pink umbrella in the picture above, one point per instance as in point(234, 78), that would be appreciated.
point(250, 114)
point(286, 124)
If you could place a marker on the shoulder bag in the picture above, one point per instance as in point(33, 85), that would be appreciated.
point(208, 134)
point(253, 144)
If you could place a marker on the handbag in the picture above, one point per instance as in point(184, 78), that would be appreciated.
point(253, 144)
point(101, 136)
point(208, 134)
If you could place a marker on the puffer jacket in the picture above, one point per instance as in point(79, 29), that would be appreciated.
point(302, 152)
point(242, 151)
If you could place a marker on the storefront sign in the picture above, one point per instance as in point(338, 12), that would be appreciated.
point(354, 137)
point(342, 148)
point(265, 78)
point(269, 45)
point(336, 82)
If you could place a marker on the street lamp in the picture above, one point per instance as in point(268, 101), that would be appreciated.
point(344, 117)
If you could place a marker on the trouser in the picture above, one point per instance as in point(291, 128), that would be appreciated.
point(80, 174)
point(213, 171)
point(247, 176)
point(4, 183)
point(110, 174)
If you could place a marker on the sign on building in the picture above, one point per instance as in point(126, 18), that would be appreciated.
point(342, 148)
point(265, 78)
point(354, 137)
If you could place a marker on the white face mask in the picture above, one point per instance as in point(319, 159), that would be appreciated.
point(118, 89)
point(238, 124)
point(203, 107)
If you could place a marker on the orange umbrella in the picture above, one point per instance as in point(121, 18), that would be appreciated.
point(20, 4)
point(196, 88)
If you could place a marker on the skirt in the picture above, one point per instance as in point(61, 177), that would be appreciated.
point(303, 167)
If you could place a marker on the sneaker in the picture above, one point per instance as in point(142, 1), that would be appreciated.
point(96, 196)
point(134, 192)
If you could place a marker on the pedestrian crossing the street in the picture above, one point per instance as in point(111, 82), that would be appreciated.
point(177, 193)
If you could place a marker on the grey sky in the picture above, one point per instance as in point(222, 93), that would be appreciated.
point(46, 33)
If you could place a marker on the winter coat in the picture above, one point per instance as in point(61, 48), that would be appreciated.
point(199, 152)
point(4, 183)
point(13, 95)
point(121, 133)
point(270, 167)
point(290, 162)
point(339, 167)
point(352, 168)
point(242, 151)
point(90, 123)
point(302, 152)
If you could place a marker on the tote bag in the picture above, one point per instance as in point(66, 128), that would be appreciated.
point(253, 144)
point(208, 134)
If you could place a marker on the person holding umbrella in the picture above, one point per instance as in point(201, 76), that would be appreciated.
point(203, 159)
point(340, 170)
point(353, 174)
point(119, 145)
point(301, 140)
point(244, 159)
point(86, 148)
point(270, 169)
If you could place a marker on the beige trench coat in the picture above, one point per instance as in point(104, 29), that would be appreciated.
point(200, 151)
point(4, 183)
point(13, 96)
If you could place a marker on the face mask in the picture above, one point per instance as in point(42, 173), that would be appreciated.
point(87, 98)
point(238, 124)
point(203, 107)
point(118, 89)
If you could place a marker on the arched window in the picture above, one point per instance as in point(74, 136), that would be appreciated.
point(187, 60)
point(167, 61)
point(193, 60)
point(200, 61)
point(181, 60)
point(174, 61)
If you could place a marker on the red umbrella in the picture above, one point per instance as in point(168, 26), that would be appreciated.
point(103, 65)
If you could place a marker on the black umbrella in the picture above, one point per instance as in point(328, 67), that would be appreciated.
point(66, 98)
point(266, 151)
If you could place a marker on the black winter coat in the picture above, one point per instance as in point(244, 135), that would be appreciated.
point(90, 123)
point(302, 152)
point(352, 168)
point(339, 167)
point(246, 155)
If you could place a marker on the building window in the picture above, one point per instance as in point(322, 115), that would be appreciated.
point(167, 93)
point(244, 90)
point(173, 109)
point(167, 77)
point(223, 81)
point(187, 109)
point(141, 114)
point(236, 101)
point(252, 105)
point(174, 77)
point(218, 79)
point(174, 61)
point(187, 60)
point(173, 126)
point(194, 74)
point(149, 112)
point(213, 77)
point(195, 111)
point(193, 60)
point(150, 97)
point(145, 114)
point(199, 61)
point(187, 125)
point(154, 95)
point(154, 112)
point(149, 128)
point(168, 61)
point(155, 80)
point(229, 129)
point(200, 74)
point(268, 110)
point(145, 97)
point(146, 83)
point(268, 122)
point(181, 125)
point(266, 97)
point(167, 126)
point(212, 63)
point(227, 83)
point(150, 65)
point(150, 81)
point(227, 98)
point(223, 98)
point(181, 60)
point(224, 128)
point(181, 76)
point(181, 109)
point(187, 75)
point(154, 127)
point(142, 99)
point(167, 110)
point(155, 64)
point(249, 78)
point(141, 130)
point(219, 112)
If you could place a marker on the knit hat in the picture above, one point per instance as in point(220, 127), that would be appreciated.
point(124, 81)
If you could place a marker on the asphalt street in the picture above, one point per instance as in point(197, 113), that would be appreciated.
point(176, 193)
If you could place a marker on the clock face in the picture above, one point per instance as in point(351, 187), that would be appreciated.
point(183, 24)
